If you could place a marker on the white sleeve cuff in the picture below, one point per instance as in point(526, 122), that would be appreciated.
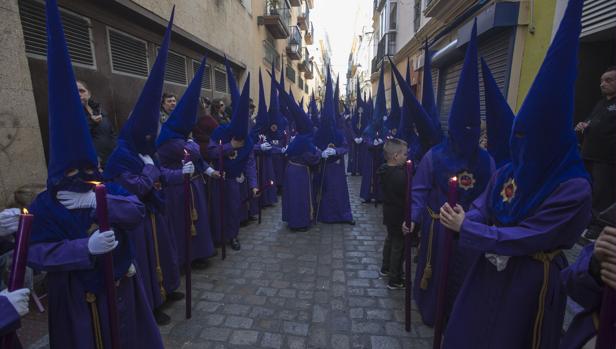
point(209, 171)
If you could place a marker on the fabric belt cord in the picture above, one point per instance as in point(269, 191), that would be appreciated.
point(193, 212)
point(159, 269)
point(427, 273)
point(96, 321)
point(545, 258)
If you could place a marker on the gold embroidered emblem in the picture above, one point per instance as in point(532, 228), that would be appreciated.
point(274, 128)
point(466, 180)
point(233, 155)
point(509, 189)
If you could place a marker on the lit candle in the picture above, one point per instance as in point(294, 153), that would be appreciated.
point(187, 239)
point(102, 215)
point(20, 254)
point(407, 246)
point(452, 196)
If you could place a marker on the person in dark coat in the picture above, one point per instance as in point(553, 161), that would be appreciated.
point(101, 128)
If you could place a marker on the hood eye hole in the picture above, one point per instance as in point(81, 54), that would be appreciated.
point(89, 171)
point(71, 172)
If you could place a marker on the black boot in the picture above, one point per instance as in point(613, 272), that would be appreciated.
point(175, 296)
point(161, 318)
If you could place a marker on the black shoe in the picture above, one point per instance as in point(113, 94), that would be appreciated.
point(384, 272)
point(235, 244)
point(350, 222)
point(395, 285)
point(366, 201)
point(175, 296)
point(301, 230)
point(199, 264)
point(253, 218)
point(161, 318)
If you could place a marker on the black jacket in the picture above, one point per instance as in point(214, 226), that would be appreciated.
point(102, 132)
point(393, 183)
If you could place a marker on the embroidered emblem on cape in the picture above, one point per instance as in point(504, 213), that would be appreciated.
point(233, 155)
point(466, 180)
point(508, 192)
point(274, 128)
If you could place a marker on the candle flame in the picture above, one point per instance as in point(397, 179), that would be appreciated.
point(271, 182)
point(185, 152)
point(94, 182)
point(24, 211)
point(408, 162)
point(454, 179)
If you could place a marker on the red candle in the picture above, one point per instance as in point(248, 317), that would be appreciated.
point(103, 224)
point(221, 167)
point(20, 254)
point(187, 239)
point(452, 196)
point(407, 246)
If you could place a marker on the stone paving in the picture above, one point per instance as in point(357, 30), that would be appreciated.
point(318, 289)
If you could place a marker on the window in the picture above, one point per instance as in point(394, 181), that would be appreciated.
point(393, 15)
point(417, 16)
point(77, 31)
point(175, 71)
point(270, 55)
point(300, 83)
point(206, 83)
point(128, 54)
point(290, 73)
point(220, 80)
point(306, 88)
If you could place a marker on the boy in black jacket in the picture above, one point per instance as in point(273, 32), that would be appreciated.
point(393, 183)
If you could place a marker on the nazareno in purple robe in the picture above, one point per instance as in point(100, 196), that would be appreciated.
point(499, 309)
point(265, 174)
point(9, 321)
point(70, 318)
point(279, 162)
point(156, 255)
point(586, 291)
point(232, 193)
point(333, 205)
point(171, 155)
point(427, 200)
point(298, 194)
point(372, 159)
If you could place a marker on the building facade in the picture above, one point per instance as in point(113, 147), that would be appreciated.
point(113, 44)
point(513, 37)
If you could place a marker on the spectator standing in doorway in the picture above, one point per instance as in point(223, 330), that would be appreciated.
point(599, 149)
point(167, 104)
point(101, 129)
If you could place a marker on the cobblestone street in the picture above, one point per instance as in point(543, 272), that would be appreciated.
point(319, 289)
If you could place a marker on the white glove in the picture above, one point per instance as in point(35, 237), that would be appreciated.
point(72, 200)
point(131, 271)
point(275, 142)
point(376, 142)
point(292, 138)
point(500, 262)
point(146, 159)
point(347, 116)
point(18, 299)
point(284, 149)
point(328, 152)
point(209, 171)
point(188, 168)
point(240, 179)
point(100, 243)
point(358, 140)
point(9, 221)
point(266, 146)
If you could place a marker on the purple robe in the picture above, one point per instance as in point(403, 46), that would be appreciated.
point(279, 163)
point(265, 174)
point(234, 207)
point(334, 205)
point(584, 289)
point(427, 200)
point(171, 155)
point(372, 159)
point(9, 321)
point(499, 309)
point(70, 318)
point(354, 163)
point(148, 262)
point(298, 194)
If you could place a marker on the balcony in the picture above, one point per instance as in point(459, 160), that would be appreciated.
point(276, 18)
point(296, 3)
point(387, 47)
point(310, 3)
point(303, 17)
point(294, 47)
point(309, 36)
point(303, 65)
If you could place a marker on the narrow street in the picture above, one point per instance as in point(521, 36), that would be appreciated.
point(319, 289)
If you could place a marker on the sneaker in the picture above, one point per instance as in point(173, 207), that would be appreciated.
point(395, 285)
point(384, 272)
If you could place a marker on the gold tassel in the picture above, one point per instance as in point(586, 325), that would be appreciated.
point(427, 273)
point(544, 258)
point(96, 322)
point(159, 270)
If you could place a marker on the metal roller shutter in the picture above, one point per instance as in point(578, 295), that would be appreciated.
point(598, 15)
point(496, 49)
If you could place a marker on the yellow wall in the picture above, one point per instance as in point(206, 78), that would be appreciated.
point(535, 45)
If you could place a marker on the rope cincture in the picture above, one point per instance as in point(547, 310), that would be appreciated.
point(96, 321)
point(159, 269)
point(545, 258)
point(427, 273)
